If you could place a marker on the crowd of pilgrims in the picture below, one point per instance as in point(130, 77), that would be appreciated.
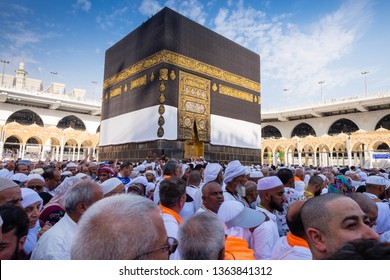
point(84, 210)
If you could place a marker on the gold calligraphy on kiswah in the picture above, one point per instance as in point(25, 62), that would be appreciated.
point(235, 93)
point(185, 62)
point(141, 81)
point(115, 92)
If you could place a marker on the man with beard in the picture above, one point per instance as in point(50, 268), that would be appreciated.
point(212, 196)
point(375, 189)
point(291, 195)
point(314, 187)
point(264, 237)
point(14, 231)
point(234, 179)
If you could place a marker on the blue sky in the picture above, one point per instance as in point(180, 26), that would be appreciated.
point(300, 42)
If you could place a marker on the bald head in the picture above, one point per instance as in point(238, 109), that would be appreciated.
point(367, 205)
point(315, 213)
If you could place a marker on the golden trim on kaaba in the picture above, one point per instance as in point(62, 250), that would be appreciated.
point(184, 62)
point(141, 81)
point(115, 92)
point(235, 93)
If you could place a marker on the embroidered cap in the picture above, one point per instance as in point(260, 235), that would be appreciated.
point(376, 180)
point(268, 183)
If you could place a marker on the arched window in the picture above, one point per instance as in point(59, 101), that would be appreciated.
point(342, 126)
point(302, 130)
point(71, 121)
point(25, 117)
point(270, 131)
point(384, 122)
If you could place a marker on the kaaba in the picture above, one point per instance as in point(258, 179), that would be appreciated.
point(173, 87)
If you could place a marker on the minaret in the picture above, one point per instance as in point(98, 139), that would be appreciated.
point(20, 79)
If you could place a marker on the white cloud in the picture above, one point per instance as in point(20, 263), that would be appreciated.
point(192, 9)
point(83, 5)
point(296, 56)
point(149, 7)
point(106, 21)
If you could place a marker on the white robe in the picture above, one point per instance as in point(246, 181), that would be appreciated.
point(284, 251)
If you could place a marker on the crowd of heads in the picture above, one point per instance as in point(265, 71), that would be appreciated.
point(191, 209)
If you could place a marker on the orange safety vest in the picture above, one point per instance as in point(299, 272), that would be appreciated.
point(237, 249)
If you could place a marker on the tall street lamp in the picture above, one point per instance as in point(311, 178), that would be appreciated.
point(4, 63)
point(365, 79)
point(321, 82)
point(286, 94)
point(93, 89)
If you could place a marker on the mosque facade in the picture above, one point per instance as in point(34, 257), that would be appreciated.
point(352, 131)
point(38, 123)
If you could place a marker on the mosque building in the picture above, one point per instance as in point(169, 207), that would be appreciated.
point(38, 123)
point(351, 131)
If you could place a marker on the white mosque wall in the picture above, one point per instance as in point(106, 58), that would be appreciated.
point(49, 117)
point(364, 120)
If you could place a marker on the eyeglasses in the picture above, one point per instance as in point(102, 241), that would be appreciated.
point(171, 247)
point(35, 188)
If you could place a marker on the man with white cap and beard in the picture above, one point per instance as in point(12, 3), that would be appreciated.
point(264, 237)
point(234, 180)
point(376, 190)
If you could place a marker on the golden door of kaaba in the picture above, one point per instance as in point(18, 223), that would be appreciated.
point(194, 113)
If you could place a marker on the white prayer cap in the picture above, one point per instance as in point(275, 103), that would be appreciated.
point(110, 184)
point(35, 176)
point(21, 177)
point(39, 171)
point(140, 180)
point(150, 172)
point(299, 187)
point(140, 168)
point(335, 170)
point(268, 183)
point(29, 197)
point(247, 171)
point(323, 177)
point(66, 173)
point(233, 170)
point(234, 214)
point(211, 172)
point(81, 175)
point(376, 180)
point(256, 174)
point(7, 184)
point(71, 164)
